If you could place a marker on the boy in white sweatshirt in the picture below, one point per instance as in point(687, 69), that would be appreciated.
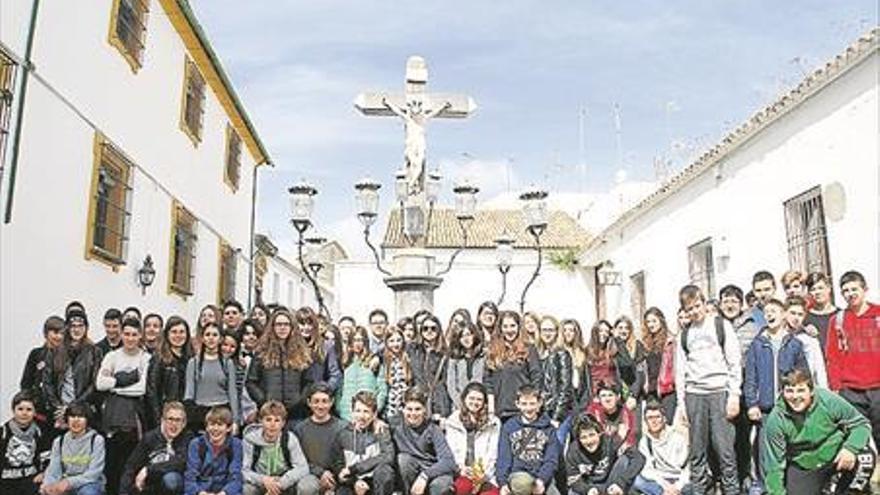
point(666, 455)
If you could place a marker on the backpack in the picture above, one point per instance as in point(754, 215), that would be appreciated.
point(285, 438)
point(719, 335)
point(61, 444)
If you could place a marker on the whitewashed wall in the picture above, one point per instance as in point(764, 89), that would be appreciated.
point(831, 137)
point(286, 285)
point(42, 251)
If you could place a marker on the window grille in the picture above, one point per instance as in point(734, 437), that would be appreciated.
point(183, 250)
point(701, 267)
point(193, 102)
point(232, 171)
point(7, 85)
point(228, 269)
point(129, 29)
point(111, 205)
point(806, 233)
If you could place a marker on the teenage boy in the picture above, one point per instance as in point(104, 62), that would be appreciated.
point(818, 316)
point(76, 465)
point(616, 420)
point(795, 312)
point(708, 377)
point(773, 353)
point(315, 435)
point(665, 450)
point(123, 374)
point(424, 458)
point(815, 440)
point(363, 451)
point(528, 452)
point(273, 459)
point(37, 361)
point(112, 331)
point(853, 350)
point(378, 320)
point(213, 461)
point(597, 463)
point(156, 466)
point(764, 288)
point(233, 314)
point(24, 448)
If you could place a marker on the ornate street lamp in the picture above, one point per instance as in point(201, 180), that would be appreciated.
point(504, 259)
point(146, 274)
point(535, 213)
point(465, 210)
point(302, 204)
point(367, 198)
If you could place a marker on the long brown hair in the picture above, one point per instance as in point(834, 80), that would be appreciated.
point(576, 348)
point(456, 350)
point(631, 341)
point(289, 353)
point(62, 358)
point(439, 344)
point(366, 355)
point(539, 341)
point(388, 356)
point(500, 351)
point(598, 351)
point(470, 421)
point(655, 342)
point(306, 316)
point(165, 351)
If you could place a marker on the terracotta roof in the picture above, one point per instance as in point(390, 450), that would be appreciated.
point(858, 51)
point(562, 230)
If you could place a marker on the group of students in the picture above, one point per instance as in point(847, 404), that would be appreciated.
point(737, 393)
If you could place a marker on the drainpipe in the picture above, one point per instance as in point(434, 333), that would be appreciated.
point(252, 242)
point(19, 115)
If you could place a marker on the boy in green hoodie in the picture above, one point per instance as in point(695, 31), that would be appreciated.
point(816, 442)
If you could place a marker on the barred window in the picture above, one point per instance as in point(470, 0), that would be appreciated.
point(232, 170)
point(109, 205)
point(7, 84)
point(637, 296)
point(183, 250)
point(701, 266)
point(193, 111)
point(227, 273)
point(806, 232)
point(128, 29)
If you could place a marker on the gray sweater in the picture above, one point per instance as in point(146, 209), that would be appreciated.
point(707, 368)
point(214, 385)
point(79, 460)
point(251, 468)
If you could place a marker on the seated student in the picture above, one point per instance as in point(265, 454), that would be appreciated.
point(24, 448)
point(472, 434)
point(528, 452)
point(423, 456)
point(315, 435)
point(213, 461)
point(273, 459)
point(597, 463)
point(363, 452)
point(665, 450)
point(157, 463)
point(610, 412)
point(814, 440)
point(76, 465)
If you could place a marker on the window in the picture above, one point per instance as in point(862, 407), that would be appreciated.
point(193, 102)
point(183, 250)
point(637, 296)
point(227, 273)
point(701, 267)
point(806, 233)
point(128, 29)
point(232, 170)
point(109, 204)
point(7, 83)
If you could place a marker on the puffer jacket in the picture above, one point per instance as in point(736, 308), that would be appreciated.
point(86, 362)
point(281, 384)
point(165, 382)
point(557, 389)
point(356, 377)
point(328, 370)
point(485, 443)
point(429, 371)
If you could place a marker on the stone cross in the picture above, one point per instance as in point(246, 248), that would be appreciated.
point(415, 107)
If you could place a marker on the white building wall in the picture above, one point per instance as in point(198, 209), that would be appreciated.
point(830, 138)
point(287, 286)
point(42, 251)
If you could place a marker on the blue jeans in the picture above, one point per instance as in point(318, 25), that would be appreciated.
point(89, 489)
point(172, 482)
point(651, 487)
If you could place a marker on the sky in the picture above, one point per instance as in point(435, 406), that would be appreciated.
point(546, 76)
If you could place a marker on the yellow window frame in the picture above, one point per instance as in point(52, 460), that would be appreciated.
point(106, 154)
point(232, 156)
point(191, 74)
point(180, 215)
point(135, 60)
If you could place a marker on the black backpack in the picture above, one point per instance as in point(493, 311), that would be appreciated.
point(719, 335)
point(285, 438)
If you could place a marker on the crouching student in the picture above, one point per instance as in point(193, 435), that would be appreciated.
point(472, 434)
point(156, 465)
point(666, 455)
point(76, 466)
point(597, 463)
point(273, 459)
point(363, 451)
point(816, 442)
point(528, 452)
point(423, 456)
point(24, 448)
point(213, 462)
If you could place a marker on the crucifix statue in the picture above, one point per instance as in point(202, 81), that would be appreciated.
point(415, 107)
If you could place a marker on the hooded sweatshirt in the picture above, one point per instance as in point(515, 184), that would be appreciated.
point(23, 451)
point(485, 443)
point(361, 451)
point(666, 457)
point(811, 440)
point(271, 461)
point(158, 454)
point(427, 446)
point(587, 470)
point(213, 470)
point(708, 368)
point(527, 446)
point(79, 460)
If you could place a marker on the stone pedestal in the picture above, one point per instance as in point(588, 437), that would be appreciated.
point(413, 282)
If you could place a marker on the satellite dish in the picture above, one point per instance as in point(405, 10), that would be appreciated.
point(834, 201)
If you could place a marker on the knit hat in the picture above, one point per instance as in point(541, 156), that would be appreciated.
point(76, 314)
point(520, 483)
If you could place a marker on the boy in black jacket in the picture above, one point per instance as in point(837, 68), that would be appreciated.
point(424, 458)
point(157, 463)
point(594, 463)
point(24, 449)
point(363, 451)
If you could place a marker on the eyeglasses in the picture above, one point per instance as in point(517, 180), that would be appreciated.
point(282, 323)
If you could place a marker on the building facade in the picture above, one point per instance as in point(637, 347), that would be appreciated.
point(132, 145)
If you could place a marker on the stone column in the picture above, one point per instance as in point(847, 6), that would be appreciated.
point(413, 283)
